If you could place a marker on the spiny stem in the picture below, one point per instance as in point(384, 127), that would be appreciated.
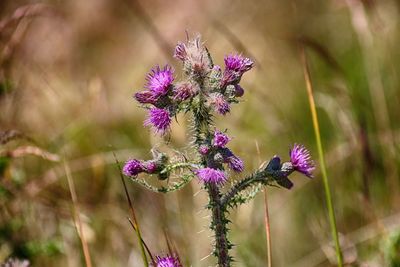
point(325, 180)
point(218, 224)
point(218, 217)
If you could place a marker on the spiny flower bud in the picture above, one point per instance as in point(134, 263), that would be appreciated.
point(239, 91)
point(145, 97)
point(220, 139)
point(180, 51)
point(184, 91)
point(195, 57)
point(150, 166)
point(204, 149)
point(219, 103)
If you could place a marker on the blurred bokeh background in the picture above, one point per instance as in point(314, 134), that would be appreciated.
point(68, 70)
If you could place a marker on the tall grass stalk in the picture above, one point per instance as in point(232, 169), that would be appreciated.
point(325, 180)
point(134, 221)
point(76, 214)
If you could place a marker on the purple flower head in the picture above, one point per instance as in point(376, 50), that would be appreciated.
point(234, 162)
point(235, 66)
point(219, 103)
point(204, 149)
point(209, 175)
point(238, 63)
point(132, 167)
point(150, 166)
point(159, 80)
point(220, 139)
point(168, 261)
point(301, 160)
point(239, 91)
point(180, 51)
point(145, 97)
point(159, 119)
point(184, 91)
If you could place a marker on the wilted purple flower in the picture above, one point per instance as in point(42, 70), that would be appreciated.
point(301, 160)
point(210, 175)
point(168, 261)
point(150, 166)
point(219, 103)
point(234, 162)
point(132, 167)
point(239, 91)
point(220, 139)
point(145, 97)
point(159, 119)
point(204, 149)
point(180, 51)
point(184, 91)
point(195, 56)
point(159, 80)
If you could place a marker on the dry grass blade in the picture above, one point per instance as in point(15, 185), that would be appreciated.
point(151, 27)
point(32, 150)
point(10, 135)
point(76, 214)
point(266, 217)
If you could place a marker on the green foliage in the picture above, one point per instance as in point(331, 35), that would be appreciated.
point(392, 250)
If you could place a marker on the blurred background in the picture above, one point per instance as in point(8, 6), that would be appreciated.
point(68, 70)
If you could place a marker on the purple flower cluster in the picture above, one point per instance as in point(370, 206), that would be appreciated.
point(133, 167)
point(210, 175)
point(164, 99)
point(168, 261)
point(219, 150)
point(301, 160)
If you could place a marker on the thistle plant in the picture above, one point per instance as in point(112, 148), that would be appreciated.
point(207, 91)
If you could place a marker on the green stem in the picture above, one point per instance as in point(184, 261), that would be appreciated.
point(325, 180)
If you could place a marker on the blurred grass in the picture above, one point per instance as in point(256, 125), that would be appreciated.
point(67, 75)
